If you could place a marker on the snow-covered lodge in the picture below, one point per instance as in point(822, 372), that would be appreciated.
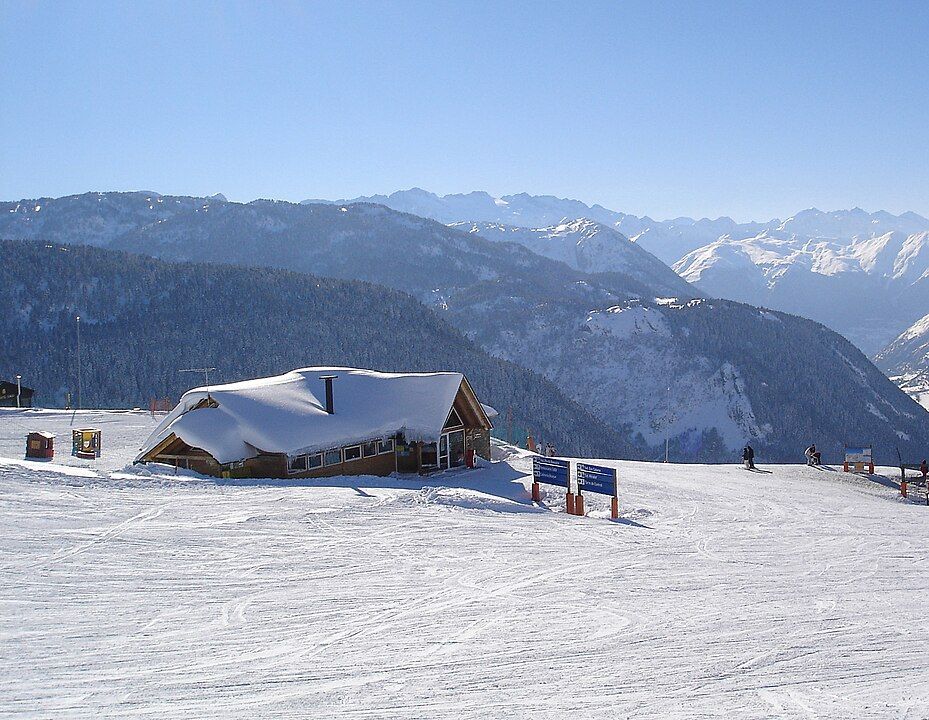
point(323, 421)
point(12, 395)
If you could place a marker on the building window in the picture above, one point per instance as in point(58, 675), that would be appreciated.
point(333, 457)
point(296, 464)
point(454, 420)
point(385, 446)
point(352, 453)
point(369, 449)
point(314, 461)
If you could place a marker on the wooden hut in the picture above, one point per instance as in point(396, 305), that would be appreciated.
point(40, 445)
point(324, 421)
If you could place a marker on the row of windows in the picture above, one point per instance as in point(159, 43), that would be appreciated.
point(336, 456)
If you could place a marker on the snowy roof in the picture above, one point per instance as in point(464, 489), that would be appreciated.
point(287, 413)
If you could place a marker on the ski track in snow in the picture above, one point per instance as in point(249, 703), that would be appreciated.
point(797, 594)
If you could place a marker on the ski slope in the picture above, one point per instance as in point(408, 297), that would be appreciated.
point(721, 593)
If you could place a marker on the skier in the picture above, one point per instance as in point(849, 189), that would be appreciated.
point(551, 450)
point(813, 456)
point(924, 469)
point(748, 457)
point(530, 443)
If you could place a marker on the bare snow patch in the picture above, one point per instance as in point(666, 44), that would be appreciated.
point(624, 321)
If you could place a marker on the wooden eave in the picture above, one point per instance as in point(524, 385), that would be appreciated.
point(469, 407)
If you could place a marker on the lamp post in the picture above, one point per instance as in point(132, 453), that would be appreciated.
point(79, 383)
point(18, 390)
point(667, 430)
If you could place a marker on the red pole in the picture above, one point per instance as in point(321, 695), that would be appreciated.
point(615, 508)
point(536, 492)
point(569, 503)
point(579, 504)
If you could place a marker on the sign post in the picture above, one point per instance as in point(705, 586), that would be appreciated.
point(552, 471)
point(598, 479)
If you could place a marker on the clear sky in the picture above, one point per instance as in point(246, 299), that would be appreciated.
point(750, 109)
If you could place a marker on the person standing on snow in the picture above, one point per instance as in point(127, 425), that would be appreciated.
point(748, 457)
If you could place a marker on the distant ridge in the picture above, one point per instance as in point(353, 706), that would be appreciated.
point(669, 240)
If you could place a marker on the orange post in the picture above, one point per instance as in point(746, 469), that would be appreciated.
point(871, 468)
point(579, 504)
point(845, 466)
point(614, 509)
point(903, 488)
point(569, 503)
point(536, 492)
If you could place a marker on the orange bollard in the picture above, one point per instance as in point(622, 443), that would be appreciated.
point(903, 488)
point(536, 492)
point(579, 504)
point(569, 503)
point(871, 468)
point(845, 466)
point(614, 509)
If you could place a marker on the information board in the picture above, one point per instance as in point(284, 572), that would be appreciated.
point(550, 471)
point(857, 454)
point(594, 478)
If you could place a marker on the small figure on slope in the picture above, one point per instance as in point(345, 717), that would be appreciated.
point(813, 456)
point(748, 457)
point(924, 469)
point(530, 443)
point(550, 450)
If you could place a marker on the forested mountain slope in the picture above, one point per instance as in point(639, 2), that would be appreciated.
point(708, 374)
point(906, 360)
point(143, 320)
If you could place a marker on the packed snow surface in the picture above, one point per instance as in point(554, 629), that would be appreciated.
point(720, 593)
point(287, 413)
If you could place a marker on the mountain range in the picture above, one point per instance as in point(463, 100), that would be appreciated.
point(869, 287)
point(861, 273)
point(590, 247)
point(666, 239)
point(614, 341)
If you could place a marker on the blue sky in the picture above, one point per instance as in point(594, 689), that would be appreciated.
point(753, 110)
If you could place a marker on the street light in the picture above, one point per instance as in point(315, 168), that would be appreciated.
point(18, 390)
point(667, 430)
point(79, 382)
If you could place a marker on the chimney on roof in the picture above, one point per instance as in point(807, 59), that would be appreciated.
point(330, 408)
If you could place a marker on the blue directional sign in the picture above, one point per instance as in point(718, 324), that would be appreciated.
point(550, 471)
point(594, 478)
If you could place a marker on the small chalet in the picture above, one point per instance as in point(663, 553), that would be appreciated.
point(8, 395)
point(324, 421)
